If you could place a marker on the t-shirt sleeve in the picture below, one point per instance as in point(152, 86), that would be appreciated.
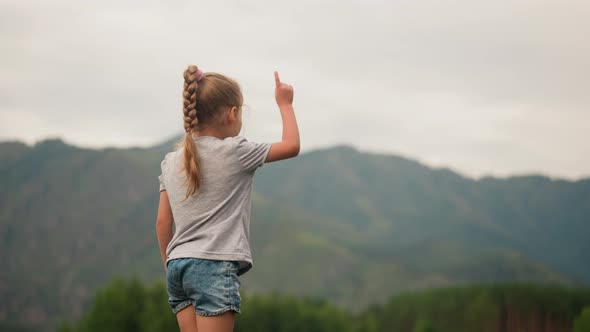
point(251, 154)
point(161, 176)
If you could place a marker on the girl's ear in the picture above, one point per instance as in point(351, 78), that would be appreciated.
point(233, 115)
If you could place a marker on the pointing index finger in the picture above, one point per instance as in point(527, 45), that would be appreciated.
point(277, 80)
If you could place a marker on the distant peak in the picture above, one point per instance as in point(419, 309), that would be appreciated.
point(342, 148)
point(54, 145)
point(53, 141)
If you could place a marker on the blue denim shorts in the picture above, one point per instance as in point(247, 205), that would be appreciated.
point(211, 286)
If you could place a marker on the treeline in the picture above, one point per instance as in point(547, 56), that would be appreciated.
point(127, 305)
point(509, 307)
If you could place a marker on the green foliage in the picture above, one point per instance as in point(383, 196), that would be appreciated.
point(288, 313)
point(128, 305)
point(582, 323)
point(116, 307)
point(156, 315)
point(424, 326)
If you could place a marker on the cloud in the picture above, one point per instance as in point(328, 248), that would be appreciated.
point(482, 87)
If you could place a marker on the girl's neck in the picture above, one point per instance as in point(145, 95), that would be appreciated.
point(209, 132)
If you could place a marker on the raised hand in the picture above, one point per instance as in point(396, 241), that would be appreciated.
point(283, 92)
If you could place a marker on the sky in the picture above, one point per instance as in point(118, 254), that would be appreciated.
point(482, 87)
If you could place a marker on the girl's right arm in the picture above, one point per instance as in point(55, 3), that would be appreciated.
point(289, 146)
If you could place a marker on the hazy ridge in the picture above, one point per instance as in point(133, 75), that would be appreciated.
point(351, 226)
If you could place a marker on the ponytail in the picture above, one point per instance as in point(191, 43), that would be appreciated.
point(191, 157)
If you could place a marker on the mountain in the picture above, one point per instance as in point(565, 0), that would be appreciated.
point(351, 226)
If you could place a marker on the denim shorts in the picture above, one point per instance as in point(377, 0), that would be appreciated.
point(211, 286)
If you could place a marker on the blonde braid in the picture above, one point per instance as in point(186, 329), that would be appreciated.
point(190, 98)
point(191, 156)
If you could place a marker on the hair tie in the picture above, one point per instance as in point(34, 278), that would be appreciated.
point(199, 75)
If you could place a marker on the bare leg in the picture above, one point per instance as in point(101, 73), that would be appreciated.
point(219, 323)
point(187, 319)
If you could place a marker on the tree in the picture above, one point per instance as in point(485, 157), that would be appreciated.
point(582, 323)
point(424, 326)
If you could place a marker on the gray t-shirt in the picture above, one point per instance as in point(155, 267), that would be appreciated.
point(214, 223)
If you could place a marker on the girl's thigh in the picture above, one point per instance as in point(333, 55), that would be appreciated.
point(219, 323)
point(187, 319)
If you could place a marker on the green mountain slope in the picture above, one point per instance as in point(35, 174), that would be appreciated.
point(350, 226)
point(408, 209)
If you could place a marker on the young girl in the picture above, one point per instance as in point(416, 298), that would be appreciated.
point(205, 192)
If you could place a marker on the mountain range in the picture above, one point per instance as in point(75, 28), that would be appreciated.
point(338, 223)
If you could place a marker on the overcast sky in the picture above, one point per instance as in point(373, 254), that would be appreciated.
point(483, 87)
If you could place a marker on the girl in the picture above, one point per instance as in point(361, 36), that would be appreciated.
point(205, 192)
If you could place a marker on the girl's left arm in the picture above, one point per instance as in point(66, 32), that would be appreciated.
point(164, 223)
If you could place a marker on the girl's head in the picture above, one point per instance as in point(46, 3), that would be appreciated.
point(212, 104)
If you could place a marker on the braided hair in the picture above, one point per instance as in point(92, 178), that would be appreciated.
point(191, 160)
point(189, 95)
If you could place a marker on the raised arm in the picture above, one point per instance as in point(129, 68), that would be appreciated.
point(288, 147)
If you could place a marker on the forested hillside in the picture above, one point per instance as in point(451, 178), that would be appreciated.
point(338, 223)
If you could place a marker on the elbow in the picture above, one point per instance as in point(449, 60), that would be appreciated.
point(294, 150)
